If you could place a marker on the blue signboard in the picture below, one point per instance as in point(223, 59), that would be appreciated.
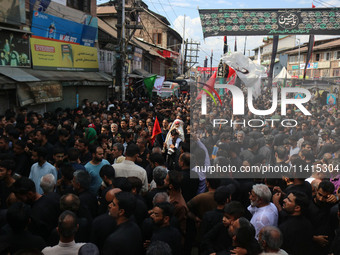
point(52, 27)
point(88, 36)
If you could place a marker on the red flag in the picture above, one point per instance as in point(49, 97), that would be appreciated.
point(209, 86)
point(156, 130)
point(313, 6)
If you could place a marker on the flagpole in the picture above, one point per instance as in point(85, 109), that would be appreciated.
point(245, 46)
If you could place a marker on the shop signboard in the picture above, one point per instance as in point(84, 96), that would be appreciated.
point(63, 56)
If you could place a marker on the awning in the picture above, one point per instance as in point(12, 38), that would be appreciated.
point(151, 50)
point(107, 28)
point(142, 73)
point(31, 75)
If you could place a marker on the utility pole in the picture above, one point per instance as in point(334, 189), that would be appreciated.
point(122, 45)
point(183, 51)
point(185, 57)
point(191, 53)
point(122, 27)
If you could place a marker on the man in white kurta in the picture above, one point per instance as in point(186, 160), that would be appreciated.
point(264, 212)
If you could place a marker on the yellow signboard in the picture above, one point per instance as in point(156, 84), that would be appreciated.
point(63, 56)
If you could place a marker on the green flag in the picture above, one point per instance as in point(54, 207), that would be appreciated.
point(149, 82)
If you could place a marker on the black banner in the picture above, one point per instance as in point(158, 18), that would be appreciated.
point(220, 22)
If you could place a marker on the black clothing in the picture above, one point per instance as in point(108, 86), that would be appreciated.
point(320, 218)
point(84, 158)
point(210, 219)
point(169, 235)
point(217, 239)
point(279, 138)
point(143, 156)
point(141, 211)
point(149, 196)
point(44, 216)
point(335, 248)
point(297, 235)
point(4, 193)
point(102, 227)
point(305, 188)
point(253, 248)
point(125, 240)
point(22, 240)
point(22, 164)
point(189, 184)
point(89, 202)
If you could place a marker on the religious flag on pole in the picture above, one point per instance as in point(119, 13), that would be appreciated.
point(156, 130)
point(309, 52)
point(225, 45)
point(149, 83)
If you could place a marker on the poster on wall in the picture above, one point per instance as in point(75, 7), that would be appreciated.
point(14, 49)
point(54, 55)
point(13, 12)
point(39, 92)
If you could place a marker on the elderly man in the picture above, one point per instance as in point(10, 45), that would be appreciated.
point(264, 212)
point(270, 239)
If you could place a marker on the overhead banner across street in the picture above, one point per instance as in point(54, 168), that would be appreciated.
point(220, 22)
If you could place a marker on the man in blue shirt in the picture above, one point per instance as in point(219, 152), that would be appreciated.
point(41, 167)
point(93, 168)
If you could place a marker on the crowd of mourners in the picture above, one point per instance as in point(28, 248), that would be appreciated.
point(99, 179)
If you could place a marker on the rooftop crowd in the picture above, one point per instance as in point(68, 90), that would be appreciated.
point(94, 180)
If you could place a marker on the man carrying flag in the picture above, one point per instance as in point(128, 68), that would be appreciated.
point(149, 83)
point(156, 130)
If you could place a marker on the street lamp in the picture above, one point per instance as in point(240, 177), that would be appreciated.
point(299, 60)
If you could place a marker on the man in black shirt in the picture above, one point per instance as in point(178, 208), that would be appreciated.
point(127, 238)
point(6, 181)
point(222, 196)
point(161, 215)
point(320, 217)
point(81, 184)
point(44, 212)
point(296, 229)
point(18, 217)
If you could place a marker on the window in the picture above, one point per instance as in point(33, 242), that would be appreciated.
point(336, 72)
point(157, 38)
point(109, 56)
point(325, 73)
point(337, 55)
point(317, 57)
point(292, 59)
point(102, 56)
point(327, 56)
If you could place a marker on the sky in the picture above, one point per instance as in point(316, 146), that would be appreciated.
point(176, 10)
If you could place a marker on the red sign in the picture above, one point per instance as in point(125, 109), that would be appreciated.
point(206, 69)
point(168, 54)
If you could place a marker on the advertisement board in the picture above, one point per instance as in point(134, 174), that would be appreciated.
point(52, 27)
point(15, 49)
point(54, 55)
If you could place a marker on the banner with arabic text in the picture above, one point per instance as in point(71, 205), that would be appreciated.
point(318, 21)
